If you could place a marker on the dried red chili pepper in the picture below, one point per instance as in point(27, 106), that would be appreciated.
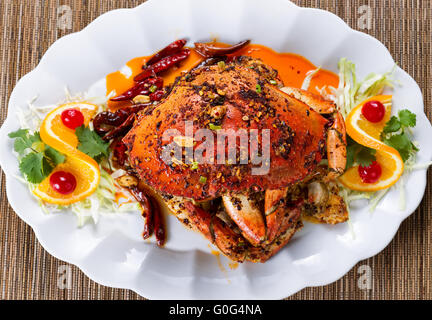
point(172, 48)
point(105, 121)
point(119, 153)
point(147, 211)
point(141, 88)
point(210, 62)
point(158, 225)
point(208, 50)
point(157, 95)
point(121, 129)
point(163, 65)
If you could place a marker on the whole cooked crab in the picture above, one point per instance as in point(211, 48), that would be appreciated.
point(248, 216)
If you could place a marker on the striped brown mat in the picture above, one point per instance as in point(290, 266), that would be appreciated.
point(402, 271)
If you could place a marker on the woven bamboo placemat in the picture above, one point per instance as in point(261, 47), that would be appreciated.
point(402, 271)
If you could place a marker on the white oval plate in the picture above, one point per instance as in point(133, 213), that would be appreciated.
point(112, 252)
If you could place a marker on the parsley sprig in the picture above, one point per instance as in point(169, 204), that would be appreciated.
point(91, 144)
point(37, 160)
point(396, 133)
point(358, 154)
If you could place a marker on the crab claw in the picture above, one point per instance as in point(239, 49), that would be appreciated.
point(247, 216)
point(273, 211)
point(291, 223)
point(230, 243)
point(336, 148)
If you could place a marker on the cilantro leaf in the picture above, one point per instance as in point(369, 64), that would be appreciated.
point(91, 144)
point(395, 134)
point(47, 167)
point(393, 125)
point(351, 153)
point(37, 160)
point(24, 141)
point(54, 156)
point(407, 118)
point(366, 156)
point(358, 154)
point(21, 133)
point(35, 137)
point(402, 143)
point(21, 145)
point(32, 167)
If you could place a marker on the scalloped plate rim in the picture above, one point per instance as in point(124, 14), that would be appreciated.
point(147, 293)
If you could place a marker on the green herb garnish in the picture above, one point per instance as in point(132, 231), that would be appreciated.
point(258, 88)
point(37, 160)
point(214, 127)
point(273, 82)
point(396, 133)
point(153, 88)
point(203, 180)
point(91, 144)
point(358, 154)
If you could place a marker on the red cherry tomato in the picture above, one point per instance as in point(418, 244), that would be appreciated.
point(373, 111)
point(370, 174)
point(72, 118)
point(63, 182)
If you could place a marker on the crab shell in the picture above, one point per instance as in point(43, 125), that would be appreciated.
point(235, 97)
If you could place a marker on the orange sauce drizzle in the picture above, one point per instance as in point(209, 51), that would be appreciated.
point(292, 70)
point(119, 196)
point(233, 265)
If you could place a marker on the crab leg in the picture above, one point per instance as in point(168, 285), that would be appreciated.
point(316, 102)
point(274, 211)
point(230, 243)
point(247, 217)
point(336, 148)
point(290, 224)
point(325, 203)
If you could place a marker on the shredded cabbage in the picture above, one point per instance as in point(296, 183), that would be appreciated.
point(309, 76)
point(103, 200)
point(351, 91)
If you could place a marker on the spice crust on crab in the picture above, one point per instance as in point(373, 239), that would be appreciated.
point(247, 216)
point(297, 132)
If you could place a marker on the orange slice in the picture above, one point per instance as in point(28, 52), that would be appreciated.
point(84, 168)
point(87, 176)
point(55, 134)
point(367, 134)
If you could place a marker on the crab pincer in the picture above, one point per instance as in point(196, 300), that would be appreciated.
point(215, 230)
